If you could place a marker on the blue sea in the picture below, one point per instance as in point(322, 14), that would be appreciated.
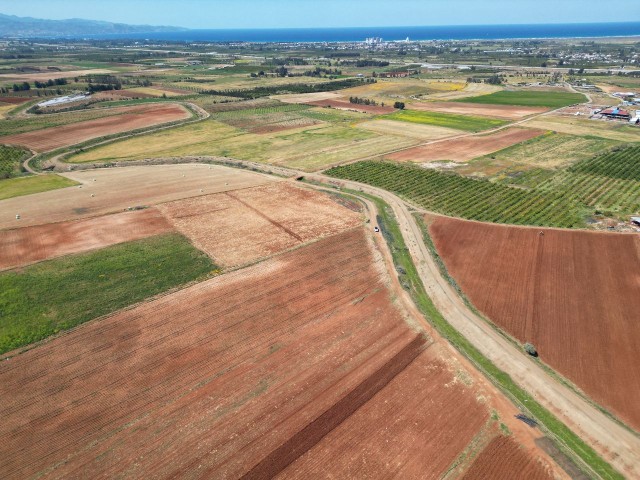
point(466, 32)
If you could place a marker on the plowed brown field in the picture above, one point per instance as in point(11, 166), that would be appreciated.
point(115, 189)
point(244, 225)
point(506, 112)
point(467, 148)
point(574, 294)
point(346, 105)
point(132, 119)
point(23, 246)
point(503, 458)
point(300, 365)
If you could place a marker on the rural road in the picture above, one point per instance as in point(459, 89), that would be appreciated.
point(616, 444)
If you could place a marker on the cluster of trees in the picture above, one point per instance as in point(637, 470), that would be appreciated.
point(21, 87)
point(363, 101)
point(321, 71)
point(367, 63)
point(292, 88)
point(398, 105)
point(492, 80)
point(103, 87)
point(50, 83)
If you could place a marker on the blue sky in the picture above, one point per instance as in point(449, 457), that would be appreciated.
point(327, 13)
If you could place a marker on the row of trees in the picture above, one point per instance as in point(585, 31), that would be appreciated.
point(50, 83)
point(363, 101)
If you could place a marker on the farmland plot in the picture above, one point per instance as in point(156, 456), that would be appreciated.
point(574, 295)
point(264, 371)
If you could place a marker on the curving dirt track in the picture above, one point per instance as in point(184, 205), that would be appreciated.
point(503, 458)
point(574, 294)
point(466, 148)
point(23, 246)
point(244, 225)
point(505, 112)
point(66, 135)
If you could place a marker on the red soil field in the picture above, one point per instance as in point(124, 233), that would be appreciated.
point(244, 225)
point(574, 294)
point(346, 105)
point(15, 100)
point(505, 112)
point(63, 136)
point(23, 246)
point(260, 371)
point(503, 458)
point(467, 148)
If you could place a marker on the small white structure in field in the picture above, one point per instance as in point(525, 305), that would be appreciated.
point(18, 217)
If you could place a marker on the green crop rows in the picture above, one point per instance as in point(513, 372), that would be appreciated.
point(469, 198)
point(624, 164)
point(529, 99)
point(10, 161)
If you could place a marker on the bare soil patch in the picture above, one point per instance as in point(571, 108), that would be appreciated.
point(51, 74)
point(506, 112)
point(23, 246)
point(132, 118)
point(346, 105)
point(305, 97)
point(116, 189)
point(504, 458)
point(242, 226)
point(574, 294)
point(467, 148)
point(15, 100)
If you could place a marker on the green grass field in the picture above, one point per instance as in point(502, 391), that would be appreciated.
point(466, 123)
point(622, 163)
point(43, 299)
point(528, 99)
point(16, 187)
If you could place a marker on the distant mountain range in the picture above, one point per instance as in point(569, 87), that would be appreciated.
point(26, 27)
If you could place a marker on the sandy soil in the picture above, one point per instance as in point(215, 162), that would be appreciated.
point(471, 90)
point(346, 105)
point(133, 118)
point(466, 148)
point(116, 189)
point(23, 246)
point(506, 112)
point(503, 458)
point(242, 226)
point(574, 294)
point(305, 97)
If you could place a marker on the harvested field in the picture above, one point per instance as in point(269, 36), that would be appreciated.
point(306, 97)
point(505, 112)
point(613, 130)
point(405, 129)
point(128, 93)
point(346, 105)
point(242, 226)
point(115, 189)
point(467, 148)
point(263, 371)
point(574, 294)
point(132, 119)
point(51, 75)
point(23, 246)
point(503, 458)
point(470, 90)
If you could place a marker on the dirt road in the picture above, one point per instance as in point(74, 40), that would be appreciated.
point(613, 442)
